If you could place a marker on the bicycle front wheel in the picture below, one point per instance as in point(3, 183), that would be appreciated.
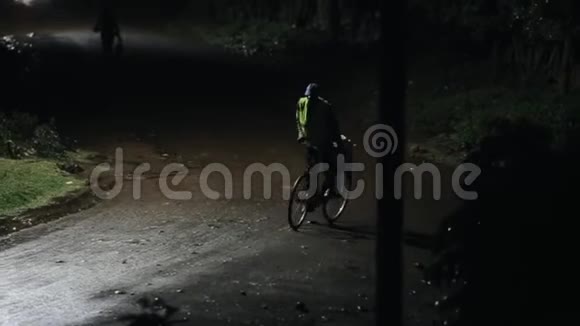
point(298, 206)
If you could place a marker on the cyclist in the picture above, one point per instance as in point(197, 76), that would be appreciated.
point(318, 130)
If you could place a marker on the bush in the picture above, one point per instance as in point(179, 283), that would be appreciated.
point(22, 135)
point(47, 141)
point(468, 117)
point(251, 39)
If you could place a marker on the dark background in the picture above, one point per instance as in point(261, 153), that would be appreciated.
point(512, 246)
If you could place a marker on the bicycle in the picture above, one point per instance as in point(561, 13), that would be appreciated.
point(322, 196)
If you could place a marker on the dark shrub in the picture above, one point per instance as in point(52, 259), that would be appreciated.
point(22, 135)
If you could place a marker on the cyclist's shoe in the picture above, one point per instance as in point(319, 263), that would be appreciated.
point(331, 193)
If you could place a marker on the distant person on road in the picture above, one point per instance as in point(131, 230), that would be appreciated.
point(108, 26)
point(318, 130)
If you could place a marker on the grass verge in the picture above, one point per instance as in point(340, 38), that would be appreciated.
point(30, 184)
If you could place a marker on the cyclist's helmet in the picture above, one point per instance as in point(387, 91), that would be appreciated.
point(312, 90)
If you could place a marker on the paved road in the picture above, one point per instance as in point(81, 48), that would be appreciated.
point(218, 261)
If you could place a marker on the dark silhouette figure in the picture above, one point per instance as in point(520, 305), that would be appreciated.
point(108, 26)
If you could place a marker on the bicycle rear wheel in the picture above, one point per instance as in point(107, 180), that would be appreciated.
point(298, 206)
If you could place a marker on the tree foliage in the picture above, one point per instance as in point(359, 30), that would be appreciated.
point(337, 17)
point(534, 37)
point(534, 19)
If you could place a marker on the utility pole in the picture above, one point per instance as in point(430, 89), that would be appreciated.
point(390, 211)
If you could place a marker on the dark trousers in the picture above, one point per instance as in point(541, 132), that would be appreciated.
point(323, 154)
point(107, 43)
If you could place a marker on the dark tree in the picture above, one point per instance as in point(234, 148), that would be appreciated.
point(334, 19)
